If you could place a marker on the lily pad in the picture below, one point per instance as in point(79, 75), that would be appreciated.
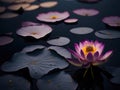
point(108, 34)
point(48, 4)
point(4, 40)
point(61, 41)
point(81, 30)
point(57, 81)
point(31, 7)
point(61, 51)
point(115, 72)
point(10, 82)
point(2, 9)
point(8, 15)
point(36, 32)
point(38, 65)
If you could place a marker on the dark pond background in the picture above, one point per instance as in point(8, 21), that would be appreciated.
point(106, 8)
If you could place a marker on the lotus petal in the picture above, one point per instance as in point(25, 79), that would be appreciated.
point(61, 51)
point(53, 16)
point(10, 82)
point(48, 4)
point(81, 30)
point(71, 20)
point(61, 41)
point(35, 31)
point(86, 12)
point(5, 40)
point(38, 65)
point(57, 81)
point(8, 15)
point(108, 34)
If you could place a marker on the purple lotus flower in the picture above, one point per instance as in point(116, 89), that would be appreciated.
point(88, 53)
point(112, 21)
point(86, 12)
point(53, 16)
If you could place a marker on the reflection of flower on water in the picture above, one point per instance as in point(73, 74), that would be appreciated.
point(88, 55)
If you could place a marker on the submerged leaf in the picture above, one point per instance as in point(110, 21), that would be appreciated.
point(10, 82)
point(57, 81)
point(108, 34)
point(61, 41)
point(38, 65)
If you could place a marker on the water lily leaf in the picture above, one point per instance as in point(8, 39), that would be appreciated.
point(108, 34)
point(34, 31)
point(61, 51)
point(10, 82)
point(81, 30)
point(61, 41)
point(2, 9)
point(5, 40)
point(31, 7)
point(48, 4)
point(71, 20)
point(116, 74)
point(32, 48)
point(38, 65)
point(8, 15)
point(57, 81)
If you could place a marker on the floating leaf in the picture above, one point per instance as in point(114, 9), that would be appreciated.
point(81, 30)
point(71, 20)
point(10, 82)
point(53, 16)
point(108, 34)
point(8, 1)
point(24, 1)
point(61, 41)
point(2, 9)
point(31, 7)
point(89, 1)
point(86, 12)
point(5, 40)
point(38, 65)
point(18, 6)
point(113, 21)
point(35, 31)
point(116, 74)
point(32, 48)
point(61, 51)
point(48, 4)
point(8, 15)
point(57, 81)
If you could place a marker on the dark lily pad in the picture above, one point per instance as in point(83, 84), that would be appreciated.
point(38, 65)
point(58, 81)
point(108, 34)
point(10, 82)
point(115, 72)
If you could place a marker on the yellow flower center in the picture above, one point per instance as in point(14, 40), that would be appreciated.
point(53, 17)
point(91, 48)
point(33, 33)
